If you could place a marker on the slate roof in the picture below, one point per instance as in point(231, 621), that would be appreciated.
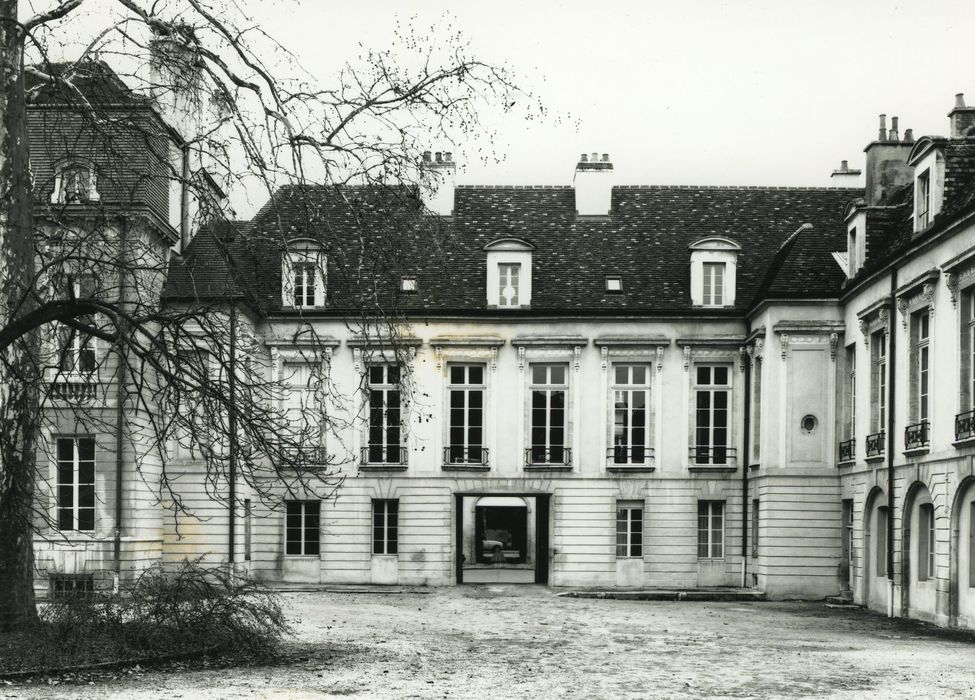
point(95, 81)
point(372, 237)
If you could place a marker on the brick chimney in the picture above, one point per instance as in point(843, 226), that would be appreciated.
point(845, 176)
point(962, 118)
point(593, 183)
point(886, 162)
point(438, 179)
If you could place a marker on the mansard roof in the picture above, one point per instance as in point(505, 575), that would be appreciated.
point(372, 236)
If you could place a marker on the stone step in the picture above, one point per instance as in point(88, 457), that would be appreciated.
point(688, 594)
point(840, 601)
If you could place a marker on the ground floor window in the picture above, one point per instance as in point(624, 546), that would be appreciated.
point(971, 545)
point(385, 526)
point(881, 546)
point(755, 504)
point(925, 542)
point(629, 530)
point(710, 529)
point(68, 585)
point(76, 483)
point(302, 531)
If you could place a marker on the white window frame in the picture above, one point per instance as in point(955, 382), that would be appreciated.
point(628, 389)
point(385, 526)
point(465, 389)
point(549, 388)
point(713, 389)
point(714, 250)
point(923, 365)
point(75, 485)
point(709, 537)
point(922, 198)
point(387, 386)
point(509, 278)
point(878, 350)
point(714, 274)
point(305, 398)
point(303, 254)
point(629, 529)
point(509, 251)
point(59, 195)
point(304, 528)
point(926, 538)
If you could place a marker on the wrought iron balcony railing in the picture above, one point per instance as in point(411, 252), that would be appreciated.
point(713, 455)
point(555, 455)
point(848, 450)
point(916, 436)
point(629, 455)
point(965, 425)
point(875, 444)
point(383, 454)
point(465, 454)
point(307, 455)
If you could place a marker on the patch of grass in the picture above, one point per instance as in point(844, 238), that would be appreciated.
point(159, 614)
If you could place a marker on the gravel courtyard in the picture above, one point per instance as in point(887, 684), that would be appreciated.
point(508, 641)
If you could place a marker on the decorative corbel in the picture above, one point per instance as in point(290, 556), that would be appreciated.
point(865, 331)
point(660, 359)
point(687, 357)
point(521, 358)
point(494, 359)
point(784, 344)
point(576, 357)
point(759, 348)
point(884, 317)
point(742, 358)
point(438, 356)
point(902, 309)
point(327, 361)
point(951, 282)
point(834, 341)
point(275, 364)
point(357, 360)
point(604, 357)
point(928, 293)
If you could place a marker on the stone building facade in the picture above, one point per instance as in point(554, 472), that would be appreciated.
point(606, 386)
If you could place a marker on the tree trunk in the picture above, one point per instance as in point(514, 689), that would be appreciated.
point(19, 378)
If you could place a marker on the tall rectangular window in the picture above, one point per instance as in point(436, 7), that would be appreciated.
point(629, 530)
point(925, 542)
point(970, 360)
point(881, 541)
point(923, 199)
point(247, 529)
point(755, 522)
point(712, 397)
point(710, 529)
point(385, 430)
point(385, 526)
point(76, 348)
point(465, 438)
point(631, 414)
point(848, 536)
point(757, 409)
point(302, 531)
point(921, 339)
point(305, 275)
point(851, 392)
point(851, 252)
point(549, 419)
point(971, 545)
point(76, 483)
point(713, 284)
point(509, 284)
point(878, 347)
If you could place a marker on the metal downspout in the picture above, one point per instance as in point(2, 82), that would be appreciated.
point(744, 468)
point(891, 395)
point(120, 379)
point(232, 442)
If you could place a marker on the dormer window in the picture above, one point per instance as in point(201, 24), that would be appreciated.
point(713, 272)
point(614, 285)
point(408, 285)
point(923, 204)
point(75, 183)
point(851, 252)
point(303, 276)
point(509, 273)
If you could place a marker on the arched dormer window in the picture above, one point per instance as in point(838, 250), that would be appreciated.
point(75, 182)
point(509, 273)
point(713, 271)
point(303, 275)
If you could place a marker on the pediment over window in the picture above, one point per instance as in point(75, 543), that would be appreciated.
point(715, 243)
point(509, 244)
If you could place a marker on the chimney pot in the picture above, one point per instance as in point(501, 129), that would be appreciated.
point(892, 134)
point(605, 157)
point(438, 156)
point(595, 157)
point(883, 128)
point(960, 101)
point(448, 157)
point(583, 158)
point(426, 156)
point(844, 165)
point(908, 135)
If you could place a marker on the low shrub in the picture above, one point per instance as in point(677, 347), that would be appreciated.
point(160, 613)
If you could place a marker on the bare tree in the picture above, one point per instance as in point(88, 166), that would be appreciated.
point(103, 326)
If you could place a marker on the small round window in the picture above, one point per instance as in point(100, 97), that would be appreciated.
point(808, 423)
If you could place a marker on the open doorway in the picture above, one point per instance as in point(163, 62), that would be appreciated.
point(501, 539)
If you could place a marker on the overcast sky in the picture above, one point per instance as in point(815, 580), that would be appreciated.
point(748, 92)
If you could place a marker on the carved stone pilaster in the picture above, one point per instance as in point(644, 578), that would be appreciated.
point(951, 282)
point(494, 359)
point(784, 344)
point(521, 358)
point(576, 357)
point(687, 357)
point(604, 358)
point(742, 358)
point(834, 341)
point(660, 359)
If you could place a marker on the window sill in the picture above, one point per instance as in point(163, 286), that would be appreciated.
point(466, 467)
point(382, 467)
point(630, 468)
point(846, 463)
point(965, 442)
point(302, 557)
point(754, 467)
point(917, 451)
point(874, 458)
point(548, 467)
point(711, 468)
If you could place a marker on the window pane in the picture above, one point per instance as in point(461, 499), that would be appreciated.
point(703, 375)
point(476, 374)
